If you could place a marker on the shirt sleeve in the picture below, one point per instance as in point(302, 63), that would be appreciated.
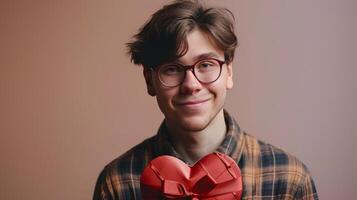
point(111, 186)
point(102, 190)
point(307, 189)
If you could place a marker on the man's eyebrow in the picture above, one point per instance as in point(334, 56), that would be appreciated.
point(206, 55)
point(201, 56)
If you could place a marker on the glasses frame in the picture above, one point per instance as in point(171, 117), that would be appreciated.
point(191, 68)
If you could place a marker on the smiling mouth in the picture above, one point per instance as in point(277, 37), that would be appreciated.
point(192, 103)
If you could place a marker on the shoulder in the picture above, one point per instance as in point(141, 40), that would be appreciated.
point(269, 156)
point(278, 171)
point(121, 177)
point(133, 161)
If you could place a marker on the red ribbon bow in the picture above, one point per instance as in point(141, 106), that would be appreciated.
point(215, 176)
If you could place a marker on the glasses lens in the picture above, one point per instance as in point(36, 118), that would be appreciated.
point(207, 70)
point(171, 75)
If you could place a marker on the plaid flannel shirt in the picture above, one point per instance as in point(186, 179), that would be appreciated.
point(268, 172)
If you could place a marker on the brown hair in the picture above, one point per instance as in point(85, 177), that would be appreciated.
point(163, 38)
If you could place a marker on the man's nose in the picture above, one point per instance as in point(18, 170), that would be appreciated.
point(190, 84)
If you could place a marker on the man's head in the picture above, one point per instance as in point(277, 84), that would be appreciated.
point(184, 34)
point(163, 38)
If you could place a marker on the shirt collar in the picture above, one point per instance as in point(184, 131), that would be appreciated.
point(231, 145)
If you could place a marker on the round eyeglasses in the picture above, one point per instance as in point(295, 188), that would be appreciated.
point(206, 71)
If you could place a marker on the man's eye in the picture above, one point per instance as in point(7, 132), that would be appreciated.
point(170, 70)
point(206, 65)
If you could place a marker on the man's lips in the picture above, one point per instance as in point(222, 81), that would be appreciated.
point(191, 102)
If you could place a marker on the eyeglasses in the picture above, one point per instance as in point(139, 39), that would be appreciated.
point(206, 71)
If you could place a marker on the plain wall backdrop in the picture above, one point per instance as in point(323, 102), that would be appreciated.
point(71, 101)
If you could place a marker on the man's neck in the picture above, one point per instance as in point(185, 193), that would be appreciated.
point(193, 145)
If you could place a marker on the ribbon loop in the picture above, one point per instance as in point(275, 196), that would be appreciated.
point(174, 189)
point(204, 185)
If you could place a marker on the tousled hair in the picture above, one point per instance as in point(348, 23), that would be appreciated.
point(164, 37)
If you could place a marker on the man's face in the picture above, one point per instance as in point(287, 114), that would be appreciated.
point(192, 105)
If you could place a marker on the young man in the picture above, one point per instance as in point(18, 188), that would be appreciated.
point(186, 51)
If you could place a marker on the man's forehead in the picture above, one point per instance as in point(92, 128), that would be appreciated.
point(201, 44)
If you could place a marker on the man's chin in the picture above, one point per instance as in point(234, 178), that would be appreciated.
point(194, 124)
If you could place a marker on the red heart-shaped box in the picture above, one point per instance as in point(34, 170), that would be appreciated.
point(215, 176)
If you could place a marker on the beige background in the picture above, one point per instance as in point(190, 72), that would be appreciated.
point(70, 100)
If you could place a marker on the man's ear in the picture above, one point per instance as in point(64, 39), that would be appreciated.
point(148, 72)
point(229, 76)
